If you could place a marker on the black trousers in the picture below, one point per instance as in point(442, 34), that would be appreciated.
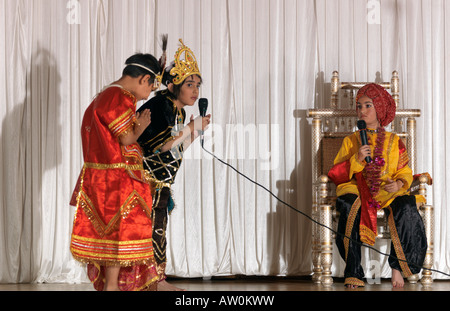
point(159, 213)
point(409, 243)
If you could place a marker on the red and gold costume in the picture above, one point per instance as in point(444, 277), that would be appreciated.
point(113, 224)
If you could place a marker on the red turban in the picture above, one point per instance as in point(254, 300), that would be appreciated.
point(384, 103)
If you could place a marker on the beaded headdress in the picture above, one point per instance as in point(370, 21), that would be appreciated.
point(185, 64)
point(384, 103)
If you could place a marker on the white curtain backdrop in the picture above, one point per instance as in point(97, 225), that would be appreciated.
point(264, 63)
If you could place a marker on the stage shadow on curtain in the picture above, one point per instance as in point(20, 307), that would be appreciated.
point(31, 140)
point(289, 234)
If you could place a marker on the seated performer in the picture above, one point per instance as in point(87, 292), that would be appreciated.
point(112, 226)
point(363, 188)
point(164, 141)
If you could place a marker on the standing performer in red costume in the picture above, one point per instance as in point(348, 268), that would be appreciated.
point(112, 230)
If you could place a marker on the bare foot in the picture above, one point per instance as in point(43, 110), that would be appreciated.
point(107, 288)
point(397, 279)
point(164, 286)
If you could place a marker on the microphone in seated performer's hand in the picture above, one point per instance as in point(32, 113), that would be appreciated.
point(362, 132)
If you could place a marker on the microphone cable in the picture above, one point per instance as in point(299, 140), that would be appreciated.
point(318, 223)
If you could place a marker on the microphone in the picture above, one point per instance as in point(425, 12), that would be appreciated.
point(202, 107)
point(362, 131)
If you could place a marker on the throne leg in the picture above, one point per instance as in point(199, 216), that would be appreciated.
point(413, 278)
point(316, 248)
point(428, 216)
point(326, 244)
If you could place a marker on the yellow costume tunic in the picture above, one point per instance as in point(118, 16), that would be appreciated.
point(395, 167)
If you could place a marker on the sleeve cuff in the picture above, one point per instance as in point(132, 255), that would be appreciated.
point(356, 166)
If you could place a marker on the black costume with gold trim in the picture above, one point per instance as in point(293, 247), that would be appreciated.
point(161, 167)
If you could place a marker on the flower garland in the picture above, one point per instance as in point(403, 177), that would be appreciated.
point(373, 169)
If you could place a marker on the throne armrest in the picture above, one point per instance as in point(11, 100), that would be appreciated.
point(418, 186)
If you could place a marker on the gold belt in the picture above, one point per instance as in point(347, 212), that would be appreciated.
point(102, 166)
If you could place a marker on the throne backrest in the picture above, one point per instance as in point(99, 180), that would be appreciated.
point(331, 125)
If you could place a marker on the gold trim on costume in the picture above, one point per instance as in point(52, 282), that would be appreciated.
point(122, 123)
point(161, 270)
point(133, 200)
point(162, 138)
point(83, 170)
point(354, 281)
point(102, 166)
point(368, 234)
point(388, 153)
point(161, 171)
point(350, 223)
point(156, 183)
point(125, 252)
point(121, 243)
point(397, 246)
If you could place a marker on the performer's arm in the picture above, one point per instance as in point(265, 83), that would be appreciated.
point(403, 177)
point(347, 162)
point(188, 134)
point(131, 136)
point(194, 134)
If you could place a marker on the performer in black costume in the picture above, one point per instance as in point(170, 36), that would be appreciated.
point(165, 140)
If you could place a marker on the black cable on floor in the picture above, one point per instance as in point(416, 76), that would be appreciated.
point(318, 223)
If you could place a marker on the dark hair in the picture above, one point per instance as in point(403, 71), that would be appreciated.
point(146, 60)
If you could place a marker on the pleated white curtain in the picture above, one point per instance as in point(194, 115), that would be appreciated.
point(264, 63)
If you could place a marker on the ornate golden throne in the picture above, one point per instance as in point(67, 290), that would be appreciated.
point(329, 127)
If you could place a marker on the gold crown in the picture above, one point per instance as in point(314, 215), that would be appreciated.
point(186, 67)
